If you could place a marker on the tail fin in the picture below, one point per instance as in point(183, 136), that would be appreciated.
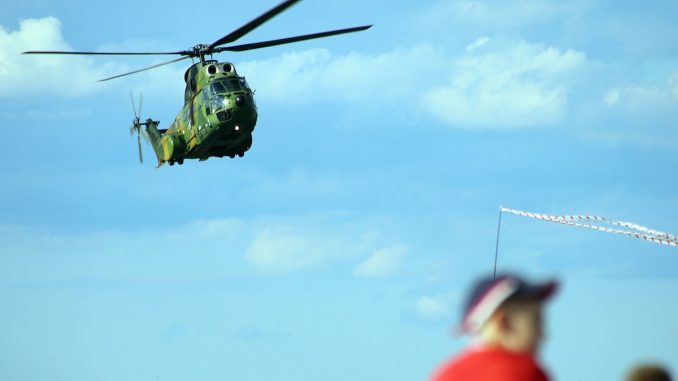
point(154, 136)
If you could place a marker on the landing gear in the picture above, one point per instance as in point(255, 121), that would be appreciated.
point(171, 162)
point(180, 161)
point(246, 146)
point(248, 143)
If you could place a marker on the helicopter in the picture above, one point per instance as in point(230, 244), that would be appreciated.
point(219, 112)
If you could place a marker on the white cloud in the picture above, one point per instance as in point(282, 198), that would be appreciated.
point(311, 241)
point(645, 97)
point(431, 309)
point(640, 113)
point(634, 96)
point(287, 78)
point(287, 249)
point(381, 263)
point(505, 85)
point(71, 75)
point(492, 84)
point(43, 74)
point(312, 75)
point(611, 97)
point(273, 244)
point(477, 43)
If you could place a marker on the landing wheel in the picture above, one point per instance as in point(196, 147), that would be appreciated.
point(232, 155)
point(171, 162)
point(241, 154)
point(180, 161)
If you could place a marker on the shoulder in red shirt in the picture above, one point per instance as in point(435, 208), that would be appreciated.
point(491, 364)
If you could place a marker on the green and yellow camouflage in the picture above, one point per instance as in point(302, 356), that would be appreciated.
point(217, 119)
point(219, 112)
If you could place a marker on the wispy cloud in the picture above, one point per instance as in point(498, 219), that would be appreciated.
point(381, 263)
point(282, 249)
point(505, 84)
point(269, 244)
point(295, 243)
point(432, 309)
point(641, 111)
point(640, 97)
point(428, 309)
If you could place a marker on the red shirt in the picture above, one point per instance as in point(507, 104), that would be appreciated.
point(491, 364)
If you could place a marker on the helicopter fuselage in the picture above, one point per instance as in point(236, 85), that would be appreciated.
point(217, 119)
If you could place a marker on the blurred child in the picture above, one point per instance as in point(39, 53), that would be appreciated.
point(504, 317)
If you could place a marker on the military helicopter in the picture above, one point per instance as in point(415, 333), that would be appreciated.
point(219, 112)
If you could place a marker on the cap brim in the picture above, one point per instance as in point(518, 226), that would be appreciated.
point(541, 291)
point(501, 290)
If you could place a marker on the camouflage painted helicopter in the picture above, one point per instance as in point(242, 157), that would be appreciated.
point(219, 112)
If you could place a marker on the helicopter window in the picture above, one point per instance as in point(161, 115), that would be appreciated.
point(243, 82)
point(232, 84)
point(206, 99)
point(216, 102)
point(229, 85)
point(218, 87)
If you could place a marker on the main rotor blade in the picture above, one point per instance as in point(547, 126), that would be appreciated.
point(144, 69)
point(104, 53)
point(264, 44)
point(243, 30)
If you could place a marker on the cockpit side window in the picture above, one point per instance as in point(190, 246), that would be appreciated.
point(243, 83)
point(218, 87)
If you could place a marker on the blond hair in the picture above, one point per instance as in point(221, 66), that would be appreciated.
point(649, 373)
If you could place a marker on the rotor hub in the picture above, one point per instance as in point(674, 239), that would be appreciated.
point(200, 51)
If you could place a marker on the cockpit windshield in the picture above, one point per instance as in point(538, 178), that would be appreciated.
point(228, 85)
point(216, 94)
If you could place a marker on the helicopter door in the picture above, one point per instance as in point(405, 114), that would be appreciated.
point(207, 100)
point(191, 120)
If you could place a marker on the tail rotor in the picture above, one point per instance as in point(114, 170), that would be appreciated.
point(136, 124)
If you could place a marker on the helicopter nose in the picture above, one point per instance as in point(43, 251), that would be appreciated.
point(239, 100)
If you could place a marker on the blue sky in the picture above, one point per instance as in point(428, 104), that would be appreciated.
point(341, 246)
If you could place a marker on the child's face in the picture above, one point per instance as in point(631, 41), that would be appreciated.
point(524, 325)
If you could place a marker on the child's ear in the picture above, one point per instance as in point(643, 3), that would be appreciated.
point(503, 319)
